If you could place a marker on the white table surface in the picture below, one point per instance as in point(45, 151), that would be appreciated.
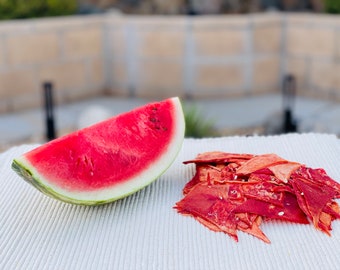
point(143, 231)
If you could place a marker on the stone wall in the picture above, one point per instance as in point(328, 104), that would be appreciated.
point(312, 53)
point(195, 56)
point(69, 52)
point(158, 56)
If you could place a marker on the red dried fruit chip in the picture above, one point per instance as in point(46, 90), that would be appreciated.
point(333, 209)
point(255, 229)
point(284, 171)
point(208, 204)
point(315, 197)
point(288, 212)
point(259, 162)
point(263, 191)
point(320, 176)
point(324, 223)
point(232, 192)
point(219, 157)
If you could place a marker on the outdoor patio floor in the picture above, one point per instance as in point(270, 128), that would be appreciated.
point(246, 116)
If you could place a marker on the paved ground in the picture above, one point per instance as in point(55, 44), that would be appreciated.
point(231, 116)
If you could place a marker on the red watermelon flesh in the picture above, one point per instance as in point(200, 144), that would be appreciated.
point(110, 159)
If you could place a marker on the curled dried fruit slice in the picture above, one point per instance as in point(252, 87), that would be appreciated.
point(235, 192)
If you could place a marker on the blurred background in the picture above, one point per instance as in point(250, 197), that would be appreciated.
point(240, 67)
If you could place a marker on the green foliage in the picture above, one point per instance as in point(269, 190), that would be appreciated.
point(22, 9)
point(196, 126)
point(65, 7)
point(332, 6)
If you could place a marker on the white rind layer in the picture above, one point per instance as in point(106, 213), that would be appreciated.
point(129, 186)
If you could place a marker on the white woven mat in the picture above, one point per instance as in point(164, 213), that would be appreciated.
point(144, 232)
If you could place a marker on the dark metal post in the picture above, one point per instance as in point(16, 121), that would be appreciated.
point(48, 94)
point(289, 92)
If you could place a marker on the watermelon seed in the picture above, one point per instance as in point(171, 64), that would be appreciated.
point(281, 213)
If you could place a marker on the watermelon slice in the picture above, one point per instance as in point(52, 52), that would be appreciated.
point(108, 160)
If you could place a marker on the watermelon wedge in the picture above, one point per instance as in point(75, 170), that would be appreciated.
point(108, 160)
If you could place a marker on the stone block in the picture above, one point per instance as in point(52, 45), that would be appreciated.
point(17, 83)
point(266, 19)
point(120, 78)
point(67, 22)
point(75, 95)
point(27, 101)
point(266, 71)
point(162, 44)
point(299, 19)
point(267, 39)
point(311, 20)
point(64, 76)
point(83, 42)
point(220, 42)
point(35, 48)
point(235, 22)
point(118, 43)
point(217, 76)
point(9, 27)
point(160, 79)
point(96, 71)
point(337, 45)
point(324, 75)
point(143, 23)
point(2, 52)
point(312, 42)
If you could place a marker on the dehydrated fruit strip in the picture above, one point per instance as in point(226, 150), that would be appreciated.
point(255, 230)
point(231, 192)
point(312, 198)
point(208, 205)
point(288, 212)
point(219, 157)
point(259, 162)
point(284, 171)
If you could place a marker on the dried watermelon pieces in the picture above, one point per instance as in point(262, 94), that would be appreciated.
point(237, 192)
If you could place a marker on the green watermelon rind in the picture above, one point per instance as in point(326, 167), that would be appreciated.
point(29, 177)
point(27, 171)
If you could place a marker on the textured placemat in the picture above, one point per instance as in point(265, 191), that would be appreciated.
point(143, 231)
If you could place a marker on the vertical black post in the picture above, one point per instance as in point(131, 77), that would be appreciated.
point(289, 91)
point(48, 93)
